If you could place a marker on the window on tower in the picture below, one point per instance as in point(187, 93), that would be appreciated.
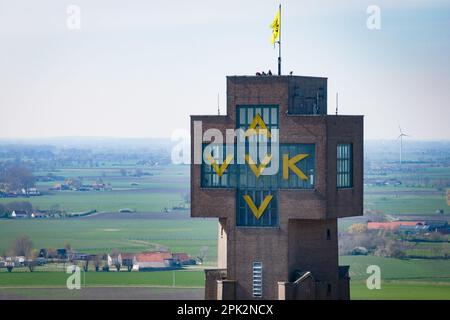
point(305, 177)
point(344, 167)
point(257, 208)
point(218, 171)
point(257, 279)
point(246, 116)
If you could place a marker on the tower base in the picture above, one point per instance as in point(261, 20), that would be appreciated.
point(218, 287)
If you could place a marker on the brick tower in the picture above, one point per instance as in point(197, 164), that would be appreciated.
point(277, 231)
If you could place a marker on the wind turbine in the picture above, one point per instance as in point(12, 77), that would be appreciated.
point(401, 142)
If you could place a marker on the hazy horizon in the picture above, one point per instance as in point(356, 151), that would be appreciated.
point(138, 70)
point(87, 138)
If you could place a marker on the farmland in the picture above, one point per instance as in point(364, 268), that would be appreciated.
point(421, 192)
point(401, 290)
point(104, 279)
point(92, 235)
point(401, 279)
point(409, 279)
point(410, 203)
point(160, 218)
point(164, 187)
point(72, 201)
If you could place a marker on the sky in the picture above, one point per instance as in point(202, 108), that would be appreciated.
point(140, 68)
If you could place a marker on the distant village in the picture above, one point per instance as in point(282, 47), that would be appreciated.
point(412, 227)
point(403, 239)
point(114, 261)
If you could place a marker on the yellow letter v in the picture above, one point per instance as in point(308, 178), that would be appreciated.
point(258, 212)
point(258, 170)
point(220, 170)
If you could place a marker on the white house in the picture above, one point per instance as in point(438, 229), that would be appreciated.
point(18, 214)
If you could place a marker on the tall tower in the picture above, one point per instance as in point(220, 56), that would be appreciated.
point(277, 213)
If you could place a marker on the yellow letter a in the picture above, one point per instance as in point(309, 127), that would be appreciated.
point(252, 129)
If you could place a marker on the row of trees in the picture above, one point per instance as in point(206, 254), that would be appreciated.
point(380, 243)
point(6, 209)
point(23, 247)
point(135, 173)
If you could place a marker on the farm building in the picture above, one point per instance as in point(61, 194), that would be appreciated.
point(418, 228)
point(31, 192)
point(16, 214)
point(183, 258)
point(438, 226)
point(150, 261)
point(114, 259)
point(154, 261)
point(128, 260)
point(61, 253)
point(38, 215)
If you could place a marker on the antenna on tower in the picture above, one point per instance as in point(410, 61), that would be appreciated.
point(218, 103)
point(337, 102)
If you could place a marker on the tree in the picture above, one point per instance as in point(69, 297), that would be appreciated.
point(55, 208)
point(31, 262)
point(68, 247)
point(51, 253)
point(75, 183)
point(116, 259)
point(97, 262)
point(357, 228)
point(86, 263)
point(203, 253)
point(19, 206)
point(17, 177)
point(3, 211)
point(22, 246)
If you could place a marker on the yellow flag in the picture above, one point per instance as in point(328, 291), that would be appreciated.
point(276, 24)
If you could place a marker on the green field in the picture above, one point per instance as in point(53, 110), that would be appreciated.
point(421, 192)
point(104, 201)
point(420, 177)
point(111, 171)
point(401, 290)
point(167, 187)
point(164, 188)
point(396, 269)
point(401, 279)
point(101, 279)
point(406, 203)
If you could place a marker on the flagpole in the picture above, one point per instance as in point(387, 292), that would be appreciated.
point(279, 47)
